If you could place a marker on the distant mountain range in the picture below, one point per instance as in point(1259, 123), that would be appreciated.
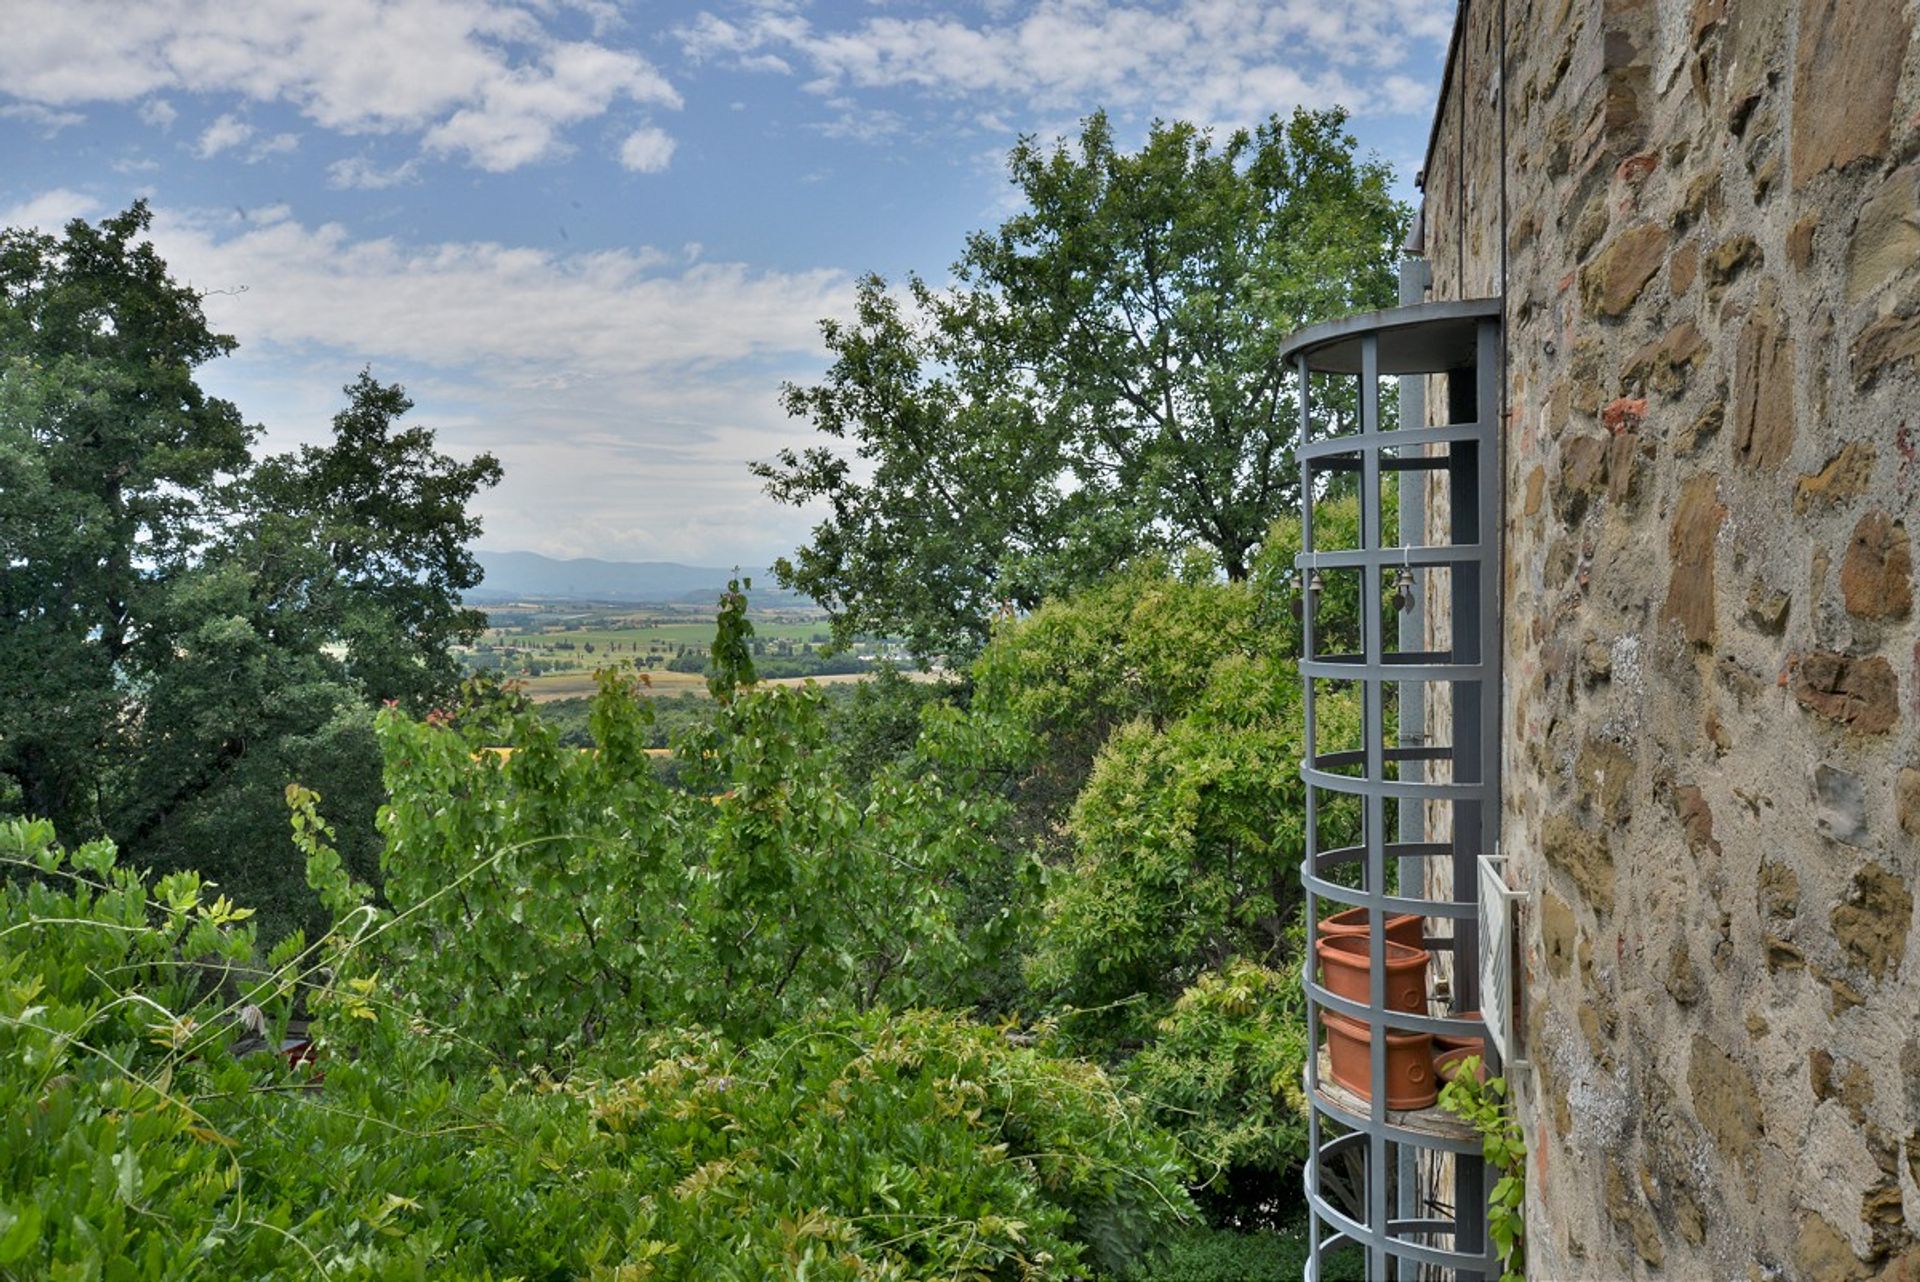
point(524, 576)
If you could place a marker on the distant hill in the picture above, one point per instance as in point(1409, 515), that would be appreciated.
point(523, 576)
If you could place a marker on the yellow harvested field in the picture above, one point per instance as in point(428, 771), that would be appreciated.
point(580, 685)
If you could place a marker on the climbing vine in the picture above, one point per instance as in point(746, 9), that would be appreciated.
point(1485, 1106)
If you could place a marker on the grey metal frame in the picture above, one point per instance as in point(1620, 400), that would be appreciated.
point(1462, 340)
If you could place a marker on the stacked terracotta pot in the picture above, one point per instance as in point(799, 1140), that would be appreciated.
point(1346, 968)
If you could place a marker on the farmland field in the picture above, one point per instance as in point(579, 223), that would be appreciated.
point(554, 649)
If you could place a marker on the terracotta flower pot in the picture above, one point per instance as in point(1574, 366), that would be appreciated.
point(1410, 1079)
point(1345, 966)
point(1405, 929)
point(1449, 1042)
point(1446, 1064)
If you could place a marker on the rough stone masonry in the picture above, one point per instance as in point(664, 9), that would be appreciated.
point(1705, 218)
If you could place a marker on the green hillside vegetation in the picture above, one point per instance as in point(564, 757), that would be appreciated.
point(988, 976)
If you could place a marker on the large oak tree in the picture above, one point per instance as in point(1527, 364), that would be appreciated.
point(1097, 380)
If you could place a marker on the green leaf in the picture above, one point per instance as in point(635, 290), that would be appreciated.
point(19, 1232)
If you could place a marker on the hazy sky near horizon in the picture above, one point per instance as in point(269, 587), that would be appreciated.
point(594, 237)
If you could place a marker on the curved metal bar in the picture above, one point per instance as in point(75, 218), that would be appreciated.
point(1453, 909)
point(1398, 661)
point(1399, 1021)
point(1397, 1247)
point(1321, 669)
point(1390, 558)
point(1464, 314)
point(1396, 438)
point(1355, 786)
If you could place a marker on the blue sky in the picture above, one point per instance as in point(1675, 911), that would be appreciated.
point(594, 237)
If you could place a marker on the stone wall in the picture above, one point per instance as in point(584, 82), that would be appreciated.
point(1712, 709)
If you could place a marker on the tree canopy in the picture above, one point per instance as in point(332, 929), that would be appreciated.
point(185, 628)
point(1097, 380)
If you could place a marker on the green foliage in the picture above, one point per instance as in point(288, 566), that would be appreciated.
point(106, 442)
point(1203, 1254)
point(389, 514)
point(1154, 710)
point(185, 629)
point(877, 722)
point(1100, 380)
point(1158, 715)
point(765, 889)
point(135, 1144)
point(1485, 1107)
point(1223, 1073)
point(732, 653)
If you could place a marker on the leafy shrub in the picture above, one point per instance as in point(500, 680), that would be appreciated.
point(1223, 1074)
point(136, 1145)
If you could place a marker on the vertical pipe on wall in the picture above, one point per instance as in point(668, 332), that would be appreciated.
point(1415, 274)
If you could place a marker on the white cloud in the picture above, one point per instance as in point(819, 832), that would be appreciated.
point(1212, 61)
point(158, 112)
point(517, 312)
point(277, 145)
point(647, 150)
point(624, 390)
point(226, 132)
point(519, 115)
point(481, 79)
point(50, 210)
point(357, 171)
point(48, 121)
point(861, 125)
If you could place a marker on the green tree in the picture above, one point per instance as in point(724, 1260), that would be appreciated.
point(1100, 380)
point(184, 629)
point(109, 454)
point(392, 515)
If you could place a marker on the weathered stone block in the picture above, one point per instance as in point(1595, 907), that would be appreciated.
point(1885, 245)
point(1603, 773)
point(1871, 927)
point(1800, 242)
point(1876, 578)
point(1906, 807)
point(1696, 524)
point(1725, 1101)
point(1613, 280)
point(1583, 855)
point(1860, 694)
point(1779, 898)
point(1624, 453)
point(1846, 68)
point(1583, 474)
point(1748, 56)
point(1882, 344)
point(1763, 388)
point(1783, 954)
point(1820, 1252)
point(1731, 257)
point(1665, 363)
point(1682, 979)
point(1558, 932)
point(1846, 475)
point(1696, 819)
point(1767, 608)
point(1683, 268)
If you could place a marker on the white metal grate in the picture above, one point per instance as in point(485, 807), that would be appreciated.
point(1497, 1004)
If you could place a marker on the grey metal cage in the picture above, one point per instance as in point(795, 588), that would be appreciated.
point(1405, 1187)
